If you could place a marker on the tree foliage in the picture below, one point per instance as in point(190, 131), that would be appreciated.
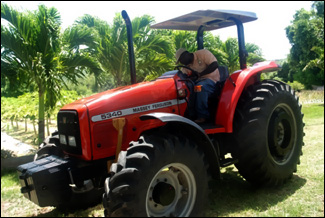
point(37, 56)
point(31, 46)
point(111, 51)
point(306, 35)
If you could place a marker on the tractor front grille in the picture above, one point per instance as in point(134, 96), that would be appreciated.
point(69, 132)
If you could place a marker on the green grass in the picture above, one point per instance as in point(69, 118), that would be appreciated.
point(302, 196)
point(12, 201)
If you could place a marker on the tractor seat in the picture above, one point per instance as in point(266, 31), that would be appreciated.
point(224, 73)
point(213, 101)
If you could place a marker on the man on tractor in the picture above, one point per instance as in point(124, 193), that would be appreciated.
point(205, 67)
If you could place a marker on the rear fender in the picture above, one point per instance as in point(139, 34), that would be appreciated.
point(234, 87)
point(194, 132)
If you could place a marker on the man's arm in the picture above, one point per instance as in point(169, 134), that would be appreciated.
point(212, 67)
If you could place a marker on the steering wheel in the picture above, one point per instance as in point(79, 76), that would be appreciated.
point(195, 75)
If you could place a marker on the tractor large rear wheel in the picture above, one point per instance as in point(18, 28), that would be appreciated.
point(160, 175)
point(268, 130)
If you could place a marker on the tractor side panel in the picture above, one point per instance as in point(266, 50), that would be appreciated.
point(96, 114)
point(157, 96)
point(231, 93)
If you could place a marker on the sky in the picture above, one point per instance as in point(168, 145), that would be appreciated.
point(268, 31)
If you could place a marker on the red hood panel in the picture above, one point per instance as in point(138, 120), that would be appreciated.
point(127, 96)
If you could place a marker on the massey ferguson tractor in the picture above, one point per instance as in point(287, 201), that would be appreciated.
point(135, 147)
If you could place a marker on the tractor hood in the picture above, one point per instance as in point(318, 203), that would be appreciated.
point(137, 98)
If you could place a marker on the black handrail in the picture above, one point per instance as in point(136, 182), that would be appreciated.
point(199, 37)
point(241, 43)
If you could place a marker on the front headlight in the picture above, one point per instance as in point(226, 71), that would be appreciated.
point(72, 141)
point(63, 140)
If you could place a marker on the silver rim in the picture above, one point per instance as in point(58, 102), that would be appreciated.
point(172, 192)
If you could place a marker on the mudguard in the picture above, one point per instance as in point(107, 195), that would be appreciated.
point(234, 87)
point(194, 131)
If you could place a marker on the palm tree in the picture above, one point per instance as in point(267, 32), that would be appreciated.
point(230, 47)
point(185, 39)
point(254, 54)
point(11, 76)
point(215, 45)
point(153, 49)
point(111, 51)
point(33, 41)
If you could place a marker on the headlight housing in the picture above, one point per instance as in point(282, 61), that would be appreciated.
point(72, 141)
point(63, 139)
point(69, 131)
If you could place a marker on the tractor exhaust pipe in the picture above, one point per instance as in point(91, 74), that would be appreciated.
point(130, 46)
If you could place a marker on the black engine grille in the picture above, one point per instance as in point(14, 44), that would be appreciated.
point(68, 125)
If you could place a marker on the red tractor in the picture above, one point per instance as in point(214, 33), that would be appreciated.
point(136, 147)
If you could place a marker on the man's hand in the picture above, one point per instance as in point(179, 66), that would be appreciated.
point(195, 73)
point(191, 72)
point(186, 71)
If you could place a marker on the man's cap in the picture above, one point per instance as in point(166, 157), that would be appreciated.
point(179, 52)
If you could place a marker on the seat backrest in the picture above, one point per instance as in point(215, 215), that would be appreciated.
point(224, 73)
point(214, 100)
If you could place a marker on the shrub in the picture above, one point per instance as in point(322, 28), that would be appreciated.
point(7, 154)
point(297, 86)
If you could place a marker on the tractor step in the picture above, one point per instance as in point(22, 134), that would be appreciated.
point(212, 128)
point(228, 162)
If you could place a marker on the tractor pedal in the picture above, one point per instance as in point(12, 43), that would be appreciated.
point(228, 162)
